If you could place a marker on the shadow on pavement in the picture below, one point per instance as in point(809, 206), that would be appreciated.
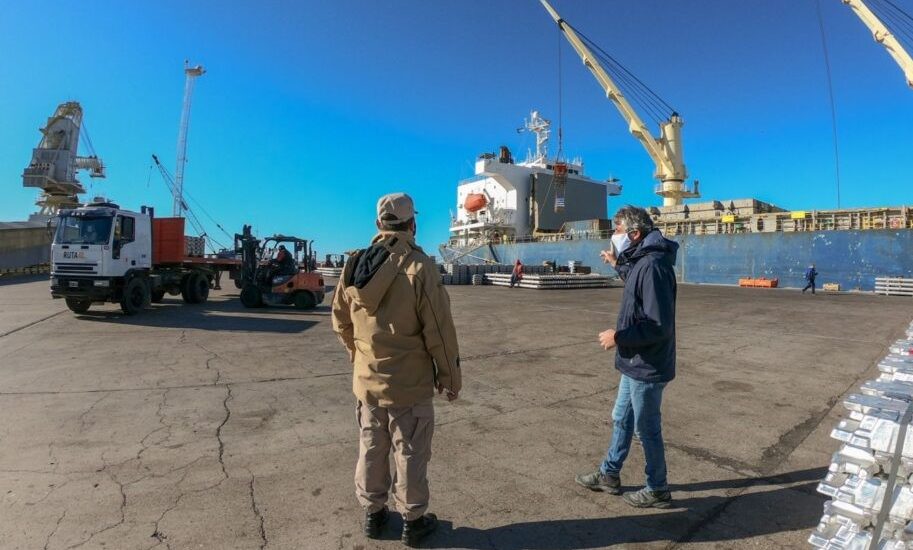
point(812, 474)
point(751, 514)
point(22, 279)
point(220, 315)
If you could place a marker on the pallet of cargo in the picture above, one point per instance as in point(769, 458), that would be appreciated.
point(894, 286)
point(759, 283)
point(330, 271)
point(556, 281)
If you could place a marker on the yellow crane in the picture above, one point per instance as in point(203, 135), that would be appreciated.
point(883, 36)
point(665, 150)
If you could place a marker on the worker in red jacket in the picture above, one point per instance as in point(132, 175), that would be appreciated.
point(517, 275)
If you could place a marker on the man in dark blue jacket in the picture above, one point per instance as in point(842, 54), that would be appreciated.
point(810, 275)
point(644, 339)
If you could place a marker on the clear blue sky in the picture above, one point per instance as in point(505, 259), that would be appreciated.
point(311, 110)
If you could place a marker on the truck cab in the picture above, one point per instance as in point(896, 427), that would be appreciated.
point(97, 250)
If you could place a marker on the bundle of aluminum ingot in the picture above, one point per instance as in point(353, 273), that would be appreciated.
point(869, 461)
point(194, 246)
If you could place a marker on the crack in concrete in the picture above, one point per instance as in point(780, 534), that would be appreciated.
point(122, 511)
point(210, 359)
point(33, 323)
point(725, 462)
point(156, 529)
point(159, 412)
point(258, 516)
point(47, 541)
point(219, 429)
point(82, 417)
point(175, 387)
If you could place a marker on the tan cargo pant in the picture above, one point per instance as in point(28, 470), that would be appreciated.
point(408, 431)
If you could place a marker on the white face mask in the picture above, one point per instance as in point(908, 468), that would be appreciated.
point(620, 242)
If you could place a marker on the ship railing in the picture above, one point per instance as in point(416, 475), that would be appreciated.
point(559, 237)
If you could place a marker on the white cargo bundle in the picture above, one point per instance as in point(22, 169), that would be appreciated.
point(870, 478)
point(330, 271)
point(563, 281)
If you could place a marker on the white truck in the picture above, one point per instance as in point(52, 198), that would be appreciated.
point(101, 253)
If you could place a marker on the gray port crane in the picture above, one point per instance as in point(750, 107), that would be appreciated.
point(55, 162)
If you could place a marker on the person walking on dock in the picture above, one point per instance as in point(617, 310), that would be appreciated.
point(644, 340)
point(393, 316)
point(810, 275)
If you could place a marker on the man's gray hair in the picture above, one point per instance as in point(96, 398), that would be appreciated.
point(634, 219)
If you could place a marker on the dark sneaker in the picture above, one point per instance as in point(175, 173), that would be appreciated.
point(598, 481)
point(646, 498)
point(414, 531)
point(374, 523)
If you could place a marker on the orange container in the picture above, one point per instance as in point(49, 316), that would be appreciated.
point(759, 283)
point(167, 240)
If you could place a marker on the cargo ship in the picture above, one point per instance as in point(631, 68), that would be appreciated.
point(517, 211)
point(548, 211)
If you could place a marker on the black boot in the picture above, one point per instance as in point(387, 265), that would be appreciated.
point(374, 523)
point(414, 531)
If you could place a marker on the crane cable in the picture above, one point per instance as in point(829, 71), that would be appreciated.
point(895, 17)
point(656, 107)
point(830, 90)
point(560, 105)
point(191, 215)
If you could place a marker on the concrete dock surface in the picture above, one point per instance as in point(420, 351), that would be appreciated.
point(213, 426)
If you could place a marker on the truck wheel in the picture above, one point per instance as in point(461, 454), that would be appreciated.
point(186, 292)
point(251, 296)
point(305, 300)
point(136, 296)
point(199, 288)
point(158, 295)
point(78, 306)
point(191, 288)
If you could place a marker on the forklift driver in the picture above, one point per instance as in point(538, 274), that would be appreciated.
point(284, 263)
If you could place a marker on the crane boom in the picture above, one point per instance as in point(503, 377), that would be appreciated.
point(666, 150)
point(191, 74)
point(883, 36)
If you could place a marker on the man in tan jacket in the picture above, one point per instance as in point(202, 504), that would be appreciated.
point(393, 315)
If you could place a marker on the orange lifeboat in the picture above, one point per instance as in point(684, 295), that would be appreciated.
point(475, 202)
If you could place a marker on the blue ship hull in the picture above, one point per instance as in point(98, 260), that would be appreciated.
point(850, 258)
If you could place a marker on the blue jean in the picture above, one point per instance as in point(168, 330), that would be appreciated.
point(637, 407)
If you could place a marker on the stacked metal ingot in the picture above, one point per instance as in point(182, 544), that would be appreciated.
point(860, 471)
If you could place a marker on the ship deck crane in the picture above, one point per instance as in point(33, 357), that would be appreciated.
point(665, 150)
point(883, 36)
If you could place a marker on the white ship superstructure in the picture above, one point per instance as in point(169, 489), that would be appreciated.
point(507, 200)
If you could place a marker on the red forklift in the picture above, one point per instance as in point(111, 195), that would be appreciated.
point(266, 280)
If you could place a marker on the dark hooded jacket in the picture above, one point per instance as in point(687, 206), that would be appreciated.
point(645, 332)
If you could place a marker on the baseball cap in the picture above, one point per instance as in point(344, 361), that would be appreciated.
point(395, 208)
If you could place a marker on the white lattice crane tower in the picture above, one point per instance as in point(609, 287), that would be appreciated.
point(191, 74)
